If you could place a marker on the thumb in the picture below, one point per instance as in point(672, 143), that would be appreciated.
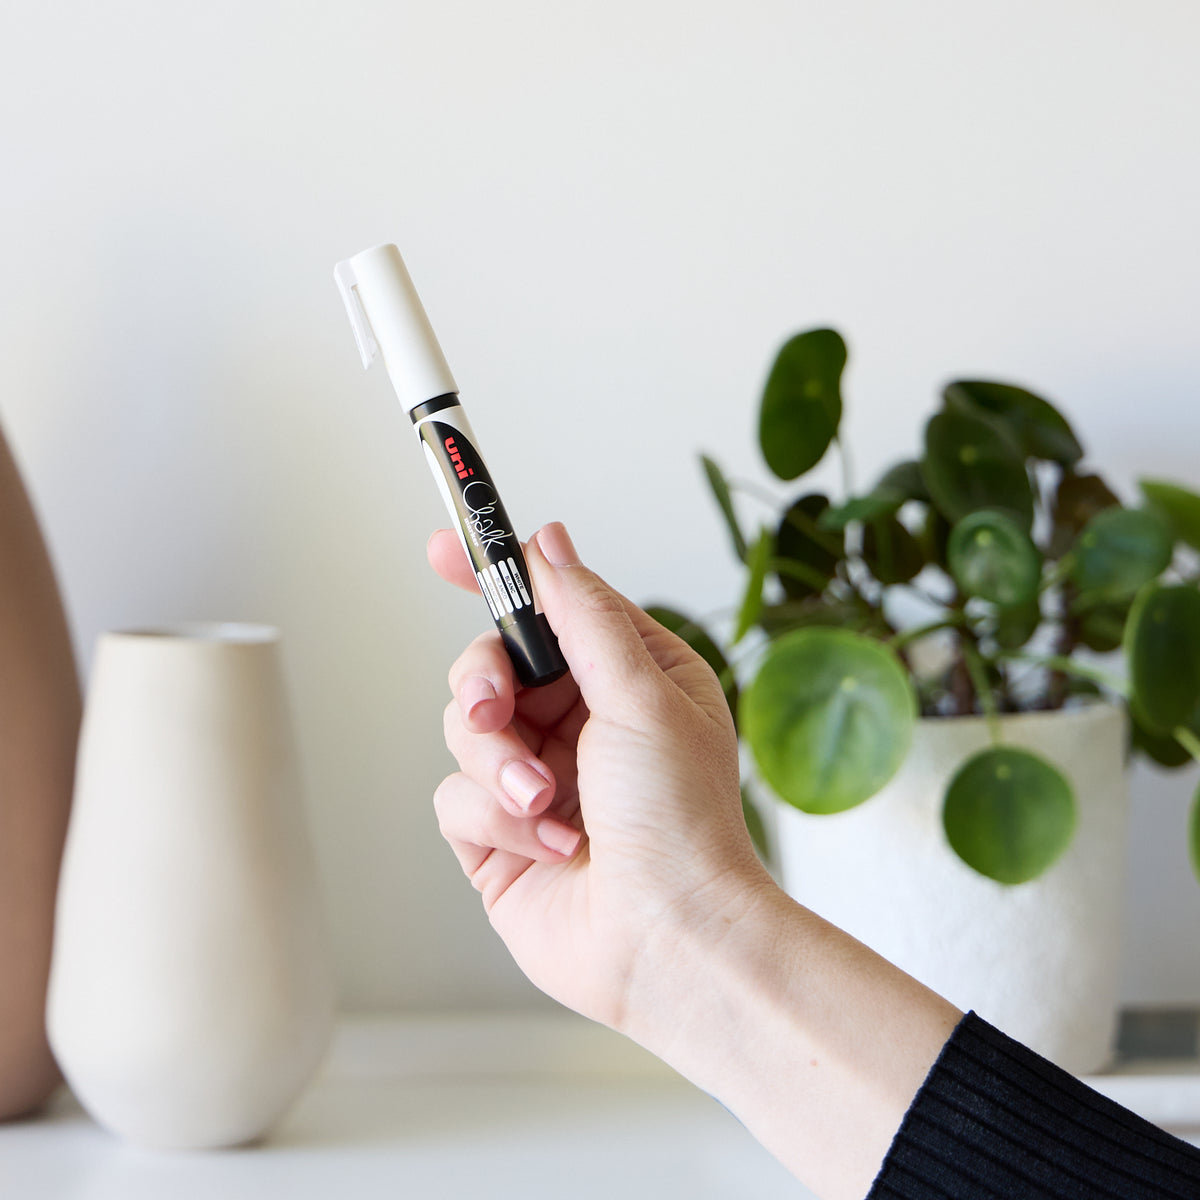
point(599, 632)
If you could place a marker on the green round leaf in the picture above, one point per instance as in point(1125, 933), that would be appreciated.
point(1162, 650)
point(829, 718)
point(1119, 551)
point(1043, 432)
point(1084, 687)
point(969, 464)
point(1164, 750)
point(1103, 628)
point(1182, 508)
point(697, 637)
point(934, 537)
point(993, 558)
point(1015, 626)
point(1009, 814)
point(800, 539)
point(906, 481)
point(1077, 499)
point(802, 402)
point(891, 552)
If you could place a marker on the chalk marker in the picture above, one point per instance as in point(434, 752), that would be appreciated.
point(389, 322)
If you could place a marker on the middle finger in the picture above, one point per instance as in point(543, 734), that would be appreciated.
point(501, 762)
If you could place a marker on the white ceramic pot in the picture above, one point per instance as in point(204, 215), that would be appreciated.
point(1039, 960)
point(191, 994)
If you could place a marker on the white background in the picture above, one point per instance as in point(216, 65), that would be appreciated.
point(615, 212)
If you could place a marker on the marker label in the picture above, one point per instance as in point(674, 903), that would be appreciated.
point(484, 527)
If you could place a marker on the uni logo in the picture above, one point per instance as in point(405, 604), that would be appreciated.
point(456, 459)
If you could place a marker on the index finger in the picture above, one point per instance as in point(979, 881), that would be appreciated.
point(448, 558)
point(484, 660)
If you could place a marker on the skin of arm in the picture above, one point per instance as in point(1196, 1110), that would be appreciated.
point(600, 819)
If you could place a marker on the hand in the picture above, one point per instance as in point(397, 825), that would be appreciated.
point(599, 815)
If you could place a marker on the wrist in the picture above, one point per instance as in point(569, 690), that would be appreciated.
point(812, 1040)
point(694, 958)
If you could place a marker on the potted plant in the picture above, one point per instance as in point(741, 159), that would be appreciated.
point(936, 646)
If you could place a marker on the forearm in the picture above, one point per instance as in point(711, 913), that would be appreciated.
point(816, 1043)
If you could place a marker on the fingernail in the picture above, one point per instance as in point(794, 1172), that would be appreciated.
point(557, 546)
point(522, 783)
point(475, 691)
point(562, 839)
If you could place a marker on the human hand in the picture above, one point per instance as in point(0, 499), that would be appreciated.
point(599, 816)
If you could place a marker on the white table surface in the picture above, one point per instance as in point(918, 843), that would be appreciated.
point(493, 1108)
point(520, 1106)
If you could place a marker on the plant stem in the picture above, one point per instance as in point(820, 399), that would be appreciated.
point(803, 522)
point(927, 596)
point(1060, 571)
point(1068, 639)
point(1068, 666)
point(905, 636)
point(1188, 740)
point(961, 687)
point(847, 470)
point(983, 688)
point(750, 488)
point(959, 682)
point(800, 520)
point(800, 571)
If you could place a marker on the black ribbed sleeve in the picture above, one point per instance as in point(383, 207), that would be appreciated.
point(993, 1119)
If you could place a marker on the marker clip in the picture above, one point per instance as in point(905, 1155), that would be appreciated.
point(364, 337)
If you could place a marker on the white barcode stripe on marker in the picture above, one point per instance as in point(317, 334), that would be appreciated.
point(497, 591)
point(513, 590)
point(485, 586)
point(501, 590)
point(516, 571)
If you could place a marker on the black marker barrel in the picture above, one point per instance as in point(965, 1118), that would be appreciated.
point(488, 537)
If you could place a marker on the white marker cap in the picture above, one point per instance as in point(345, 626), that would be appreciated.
point(386, 315)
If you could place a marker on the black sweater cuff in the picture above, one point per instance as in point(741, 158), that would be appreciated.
point(993, 1119)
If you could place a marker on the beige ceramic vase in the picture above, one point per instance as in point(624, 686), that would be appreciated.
point(39, 724)
point(191, 995)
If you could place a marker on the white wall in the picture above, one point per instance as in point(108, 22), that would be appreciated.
point(614, 211)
